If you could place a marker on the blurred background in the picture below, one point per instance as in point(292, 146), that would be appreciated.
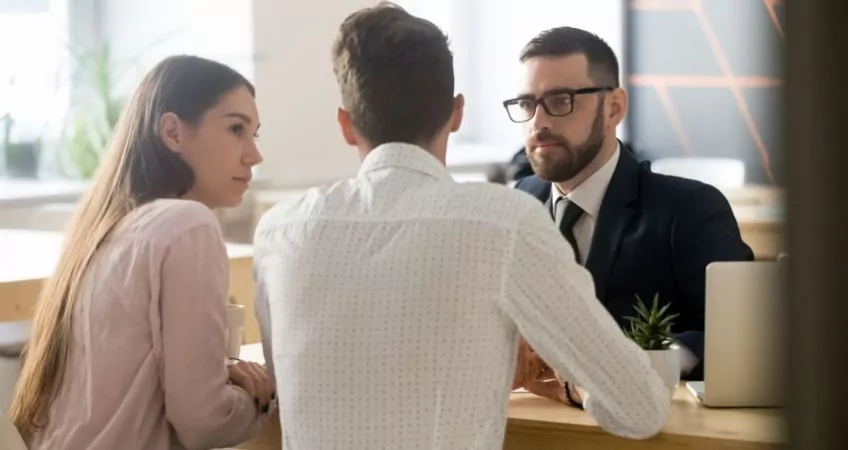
point(704, 79)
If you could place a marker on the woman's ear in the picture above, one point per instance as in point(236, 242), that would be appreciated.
point(169, 131)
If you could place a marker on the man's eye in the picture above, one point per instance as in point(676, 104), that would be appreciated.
point(527, 105)
point(560, 100)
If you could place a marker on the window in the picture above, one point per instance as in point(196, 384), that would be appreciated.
point(48, 90)
point(34, 72)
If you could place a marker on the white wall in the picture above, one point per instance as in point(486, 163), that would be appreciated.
point(302, 145)
point(503, 29)
point(284, 47)
point(297, 92)
point(149, 30)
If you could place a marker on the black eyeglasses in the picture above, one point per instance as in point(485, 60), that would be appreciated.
point(558, 103)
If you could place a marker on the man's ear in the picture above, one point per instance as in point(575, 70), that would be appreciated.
point(458, 112)
point(170, 133)
point(618, 104)
point(346, 126)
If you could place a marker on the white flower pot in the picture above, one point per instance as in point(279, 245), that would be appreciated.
point(667, 365)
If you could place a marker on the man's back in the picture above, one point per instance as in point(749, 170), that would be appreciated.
point(394, 300)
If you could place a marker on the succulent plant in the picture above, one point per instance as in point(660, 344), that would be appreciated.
point(651, 328)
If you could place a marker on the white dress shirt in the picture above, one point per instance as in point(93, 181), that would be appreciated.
point(391, 305)
point(589, 196)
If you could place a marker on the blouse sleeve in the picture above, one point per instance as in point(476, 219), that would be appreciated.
point(204, 410)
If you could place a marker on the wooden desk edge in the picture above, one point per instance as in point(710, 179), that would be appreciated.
point(561, 429)
point(579, 434)
point(588, 433)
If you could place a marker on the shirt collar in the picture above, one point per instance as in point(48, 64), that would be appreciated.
point(403, 156)
point(590, 194)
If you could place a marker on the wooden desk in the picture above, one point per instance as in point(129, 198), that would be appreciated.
point(27, 258)
point(760, 212)
point(763, 229)
point(540, 424)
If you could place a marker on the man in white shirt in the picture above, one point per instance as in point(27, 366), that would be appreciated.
point(391, 304)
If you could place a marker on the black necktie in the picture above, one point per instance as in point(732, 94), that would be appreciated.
point(566, 214)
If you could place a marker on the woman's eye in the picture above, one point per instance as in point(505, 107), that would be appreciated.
point(237, 129)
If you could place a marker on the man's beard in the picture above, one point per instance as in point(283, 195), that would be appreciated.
point(570, 160)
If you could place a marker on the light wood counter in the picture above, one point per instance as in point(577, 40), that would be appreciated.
point(540, 424)
point(28, 257)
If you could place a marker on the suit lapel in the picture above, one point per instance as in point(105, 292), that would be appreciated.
point(617, 209)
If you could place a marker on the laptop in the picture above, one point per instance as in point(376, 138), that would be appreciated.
point(742, 337)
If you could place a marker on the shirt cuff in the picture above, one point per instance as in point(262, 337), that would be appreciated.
point(688, 360)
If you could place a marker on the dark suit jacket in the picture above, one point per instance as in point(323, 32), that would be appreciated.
point(657, 234)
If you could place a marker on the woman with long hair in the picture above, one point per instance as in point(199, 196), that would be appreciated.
point(128, 343)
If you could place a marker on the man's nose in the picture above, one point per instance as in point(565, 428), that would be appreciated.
point(540, 119)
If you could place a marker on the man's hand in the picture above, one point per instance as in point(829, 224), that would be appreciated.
point(533, 374)
point(528, 367)
point(548, 384)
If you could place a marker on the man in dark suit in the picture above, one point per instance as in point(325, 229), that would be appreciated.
point(637, 232)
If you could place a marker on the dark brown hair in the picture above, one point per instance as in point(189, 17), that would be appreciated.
point(395, 73)
point(565, 41)
point(136, 168)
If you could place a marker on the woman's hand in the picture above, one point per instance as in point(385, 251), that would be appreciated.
point(254, 379)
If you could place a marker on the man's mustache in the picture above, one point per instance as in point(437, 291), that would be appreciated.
point(546, 135)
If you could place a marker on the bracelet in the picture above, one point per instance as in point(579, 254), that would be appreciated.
point(570, 398)
point(232, 360)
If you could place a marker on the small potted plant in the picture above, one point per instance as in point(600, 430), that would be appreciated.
point(22, 157)
point(650, 329)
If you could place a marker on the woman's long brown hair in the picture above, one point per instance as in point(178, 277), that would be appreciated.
point(136, 168)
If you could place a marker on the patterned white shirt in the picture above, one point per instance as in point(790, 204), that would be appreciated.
point(391, 305)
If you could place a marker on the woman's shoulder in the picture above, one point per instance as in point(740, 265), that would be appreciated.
point(164, 220)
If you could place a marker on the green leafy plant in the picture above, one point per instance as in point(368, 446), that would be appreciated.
point(91, 128)
point(651, 328)
point(102, 80)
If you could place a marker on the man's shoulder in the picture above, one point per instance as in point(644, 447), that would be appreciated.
point(298, 206)
point(497, 199)
point(534, 186)
point(657, 187)
point(653, 187)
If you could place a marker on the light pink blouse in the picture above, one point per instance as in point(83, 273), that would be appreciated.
point(147, 361)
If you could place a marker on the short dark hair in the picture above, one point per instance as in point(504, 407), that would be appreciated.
point(565, 41)
point(395, 73)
